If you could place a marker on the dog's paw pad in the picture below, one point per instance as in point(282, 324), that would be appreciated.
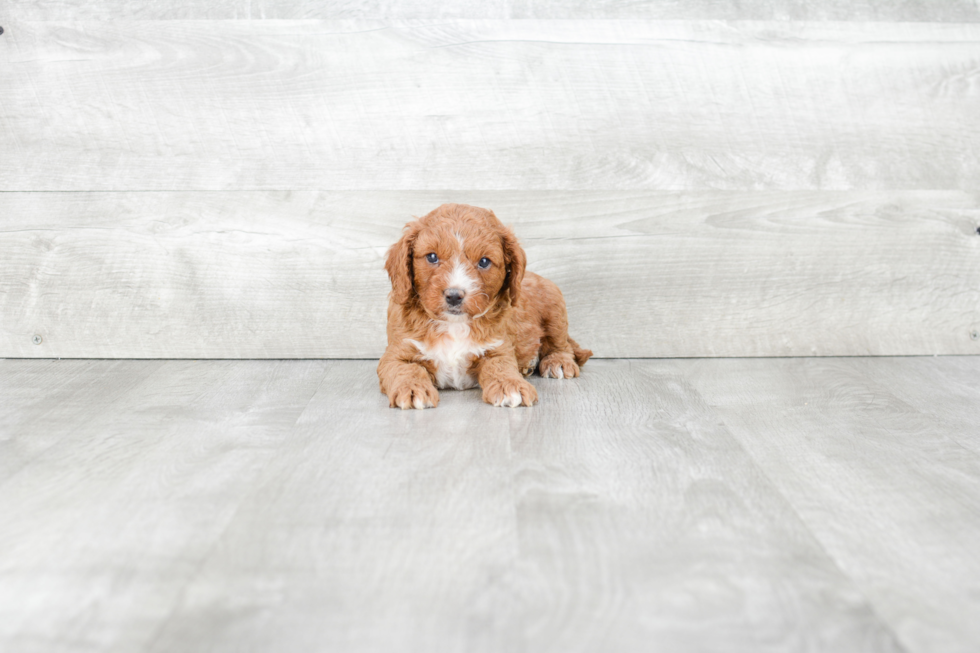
point(512, 400)
point(559, 366)
point(510, 393)
point(414, 396)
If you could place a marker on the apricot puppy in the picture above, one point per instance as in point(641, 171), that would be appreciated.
point(463, 311)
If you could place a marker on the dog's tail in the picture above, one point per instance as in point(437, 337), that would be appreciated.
point(581, 355)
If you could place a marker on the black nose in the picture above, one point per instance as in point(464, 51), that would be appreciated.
point(454, 297)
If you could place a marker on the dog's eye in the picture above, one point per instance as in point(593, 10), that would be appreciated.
point(431, 257)
point(484, 263)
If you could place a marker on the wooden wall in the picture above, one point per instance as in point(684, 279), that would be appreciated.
point(763, 178)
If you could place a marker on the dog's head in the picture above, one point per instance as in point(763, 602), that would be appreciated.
point(457, 262)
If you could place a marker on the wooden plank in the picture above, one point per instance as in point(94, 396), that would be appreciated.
point(641, 520)
point(947, 389)
point(659, 274)
point(835, 10)
point(889, 491)
point(488, 104)
point(280, 505)
point(375, 530)
point(45, 401)
point(859, 10)
point(103, 530)
point(616, 515)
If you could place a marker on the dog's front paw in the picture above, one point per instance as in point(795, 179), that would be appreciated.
point(559, 365)
point(414, 394)
point(510, 393)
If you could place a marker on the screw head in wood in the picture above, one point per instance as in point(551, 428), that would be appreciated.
point(37, 340)
point(975, 335)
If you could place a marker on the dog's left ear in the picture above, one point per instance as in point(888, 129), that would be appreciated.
point(516, 261)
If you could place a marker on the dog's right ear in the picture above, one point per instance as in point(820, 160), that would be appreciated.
point(516, 261)
point(399, 264)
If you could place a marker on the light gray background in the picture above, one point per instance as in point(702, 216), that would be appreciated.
point(701, 178)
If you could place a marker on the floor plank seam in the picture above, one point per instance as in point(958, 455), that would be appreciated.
point(868, 601)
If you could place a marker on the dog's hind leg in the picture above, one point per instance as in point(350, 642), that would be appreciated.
point(561, 357)
point(581, 355)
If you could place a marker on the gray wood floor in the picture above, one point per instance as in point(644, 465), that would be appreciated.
point(679, 505)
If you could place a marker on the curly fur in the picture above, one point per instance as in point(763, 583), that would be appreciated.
point(508, 322)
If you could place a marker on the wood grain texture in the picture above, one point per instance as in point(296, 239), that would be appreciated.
point(891, 492)
point(946, 389)
point(280, 505)
point(488, 104)
point(642, 520)
point(46, 400)
point(374, 530)
point(102, 530)
point(859, 10)
point(645, 274)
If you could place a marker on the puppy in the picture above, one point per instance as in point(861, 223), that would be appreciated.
point(463, 311)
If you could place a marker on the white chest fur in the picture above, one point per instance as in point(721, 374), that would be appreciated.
point(453, 351)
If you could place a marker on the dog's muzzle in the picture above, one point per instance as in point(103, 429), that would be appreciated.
point(454, 299)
